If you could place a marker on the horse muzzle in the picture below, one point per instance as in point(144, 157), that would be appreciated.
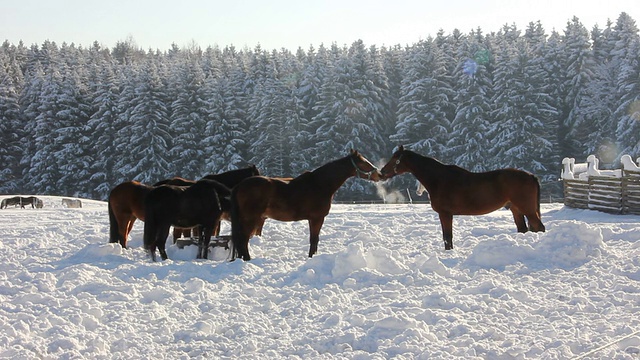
point(385, 175)
point(376, 176)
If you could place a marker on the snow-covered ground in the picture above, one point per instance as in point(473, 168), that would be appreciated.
point(381, 287)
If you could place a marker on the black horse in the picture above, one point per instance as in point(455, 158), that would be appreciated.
point(229, 179)
point(200, 204)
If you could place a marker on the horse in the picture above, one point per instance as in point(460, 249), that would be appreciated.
point(178, 181)
point(306, 197)
point(229, 179)
point(34, 201)
point(72, 203)
point(15, 201)
point(126, 201)
point(456, 191)
point(21, 201)
point(200, 204)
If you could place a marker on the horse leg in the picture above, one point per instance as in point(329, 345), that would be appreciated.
point(258, 229)
point(240, 235)
point(202, 243)
point(161, 240)
point(150, 239)
point(446, 222)
point(216, 232)
point(205, 240)
point(200, 233)
point(314, 234)
point(535, 223)
point(177, 233)
point(128, 225)
point(518, 218)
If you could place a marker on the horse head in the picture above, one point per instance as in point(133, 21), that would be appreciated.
point(364, 168)
point(395, 165)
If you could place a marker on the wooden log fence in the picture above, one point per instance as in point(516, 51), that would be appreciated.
point(616, 195)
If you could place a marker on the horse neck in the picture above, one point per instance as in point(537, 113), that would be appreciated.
point(427, 170)
point(334, 174)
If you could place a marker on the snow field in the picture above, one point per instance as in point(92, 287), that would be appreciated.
point(381, 287)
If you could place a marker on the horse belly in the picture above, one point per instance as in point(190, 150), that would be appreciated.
point(184, 224)
point(476, 203)
point(284, 214)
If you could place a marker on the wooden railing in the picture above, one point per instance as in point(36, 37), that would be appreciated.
point(617, 195)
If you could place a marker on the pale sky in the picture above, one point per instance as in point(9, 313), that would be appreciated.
point(275, 24)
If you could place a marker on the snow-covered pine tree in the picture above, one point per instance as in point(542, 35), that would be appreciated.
point(520, 106)
point(102, 132)
point(472, 122)
point(578, 72)
point(145, 139)
point(12, 132)
point(188, 117)
point(626, 53)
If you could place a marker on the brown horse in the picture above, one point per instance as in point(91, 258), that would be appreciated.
point(199, 205)
point(456, 191)
point(306, 197)
point(126, 204)
point(126, 201)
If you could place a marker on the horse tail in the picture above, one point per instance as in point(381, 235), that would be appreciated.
point(114, 232)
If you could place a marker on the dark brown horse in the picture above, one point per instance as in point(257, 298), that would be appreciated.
point(179, 181)
point(306, 197)
point(456, 191)
point(126, 200)
point(200, 204)
point(228, 179)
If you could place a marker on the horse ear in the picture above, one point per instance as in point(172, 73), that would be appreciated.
point(353, 152)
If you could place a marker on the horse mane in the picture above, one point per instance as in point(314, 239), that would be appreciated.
point(434, 162)
point(330, 165)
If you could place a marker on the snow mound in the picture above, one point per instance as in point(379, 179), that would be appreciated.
point(354, 264)
point(566, 247)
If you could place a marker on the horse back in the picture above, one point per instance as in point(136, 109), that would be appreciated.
point(16, 200)
point(209, 196)
point(175, 181)
point(468, 193)
point(232, 178)
point(282, 199)
point(128, 198)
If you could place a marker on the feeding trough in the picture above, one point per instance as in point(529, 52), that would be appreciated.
point(218, 241)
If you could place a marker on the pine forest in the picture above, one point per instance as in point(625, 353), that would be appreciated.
point(77, 120)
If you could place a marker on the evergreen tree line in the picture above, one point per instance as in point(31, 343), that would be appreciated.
point(77, 121)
